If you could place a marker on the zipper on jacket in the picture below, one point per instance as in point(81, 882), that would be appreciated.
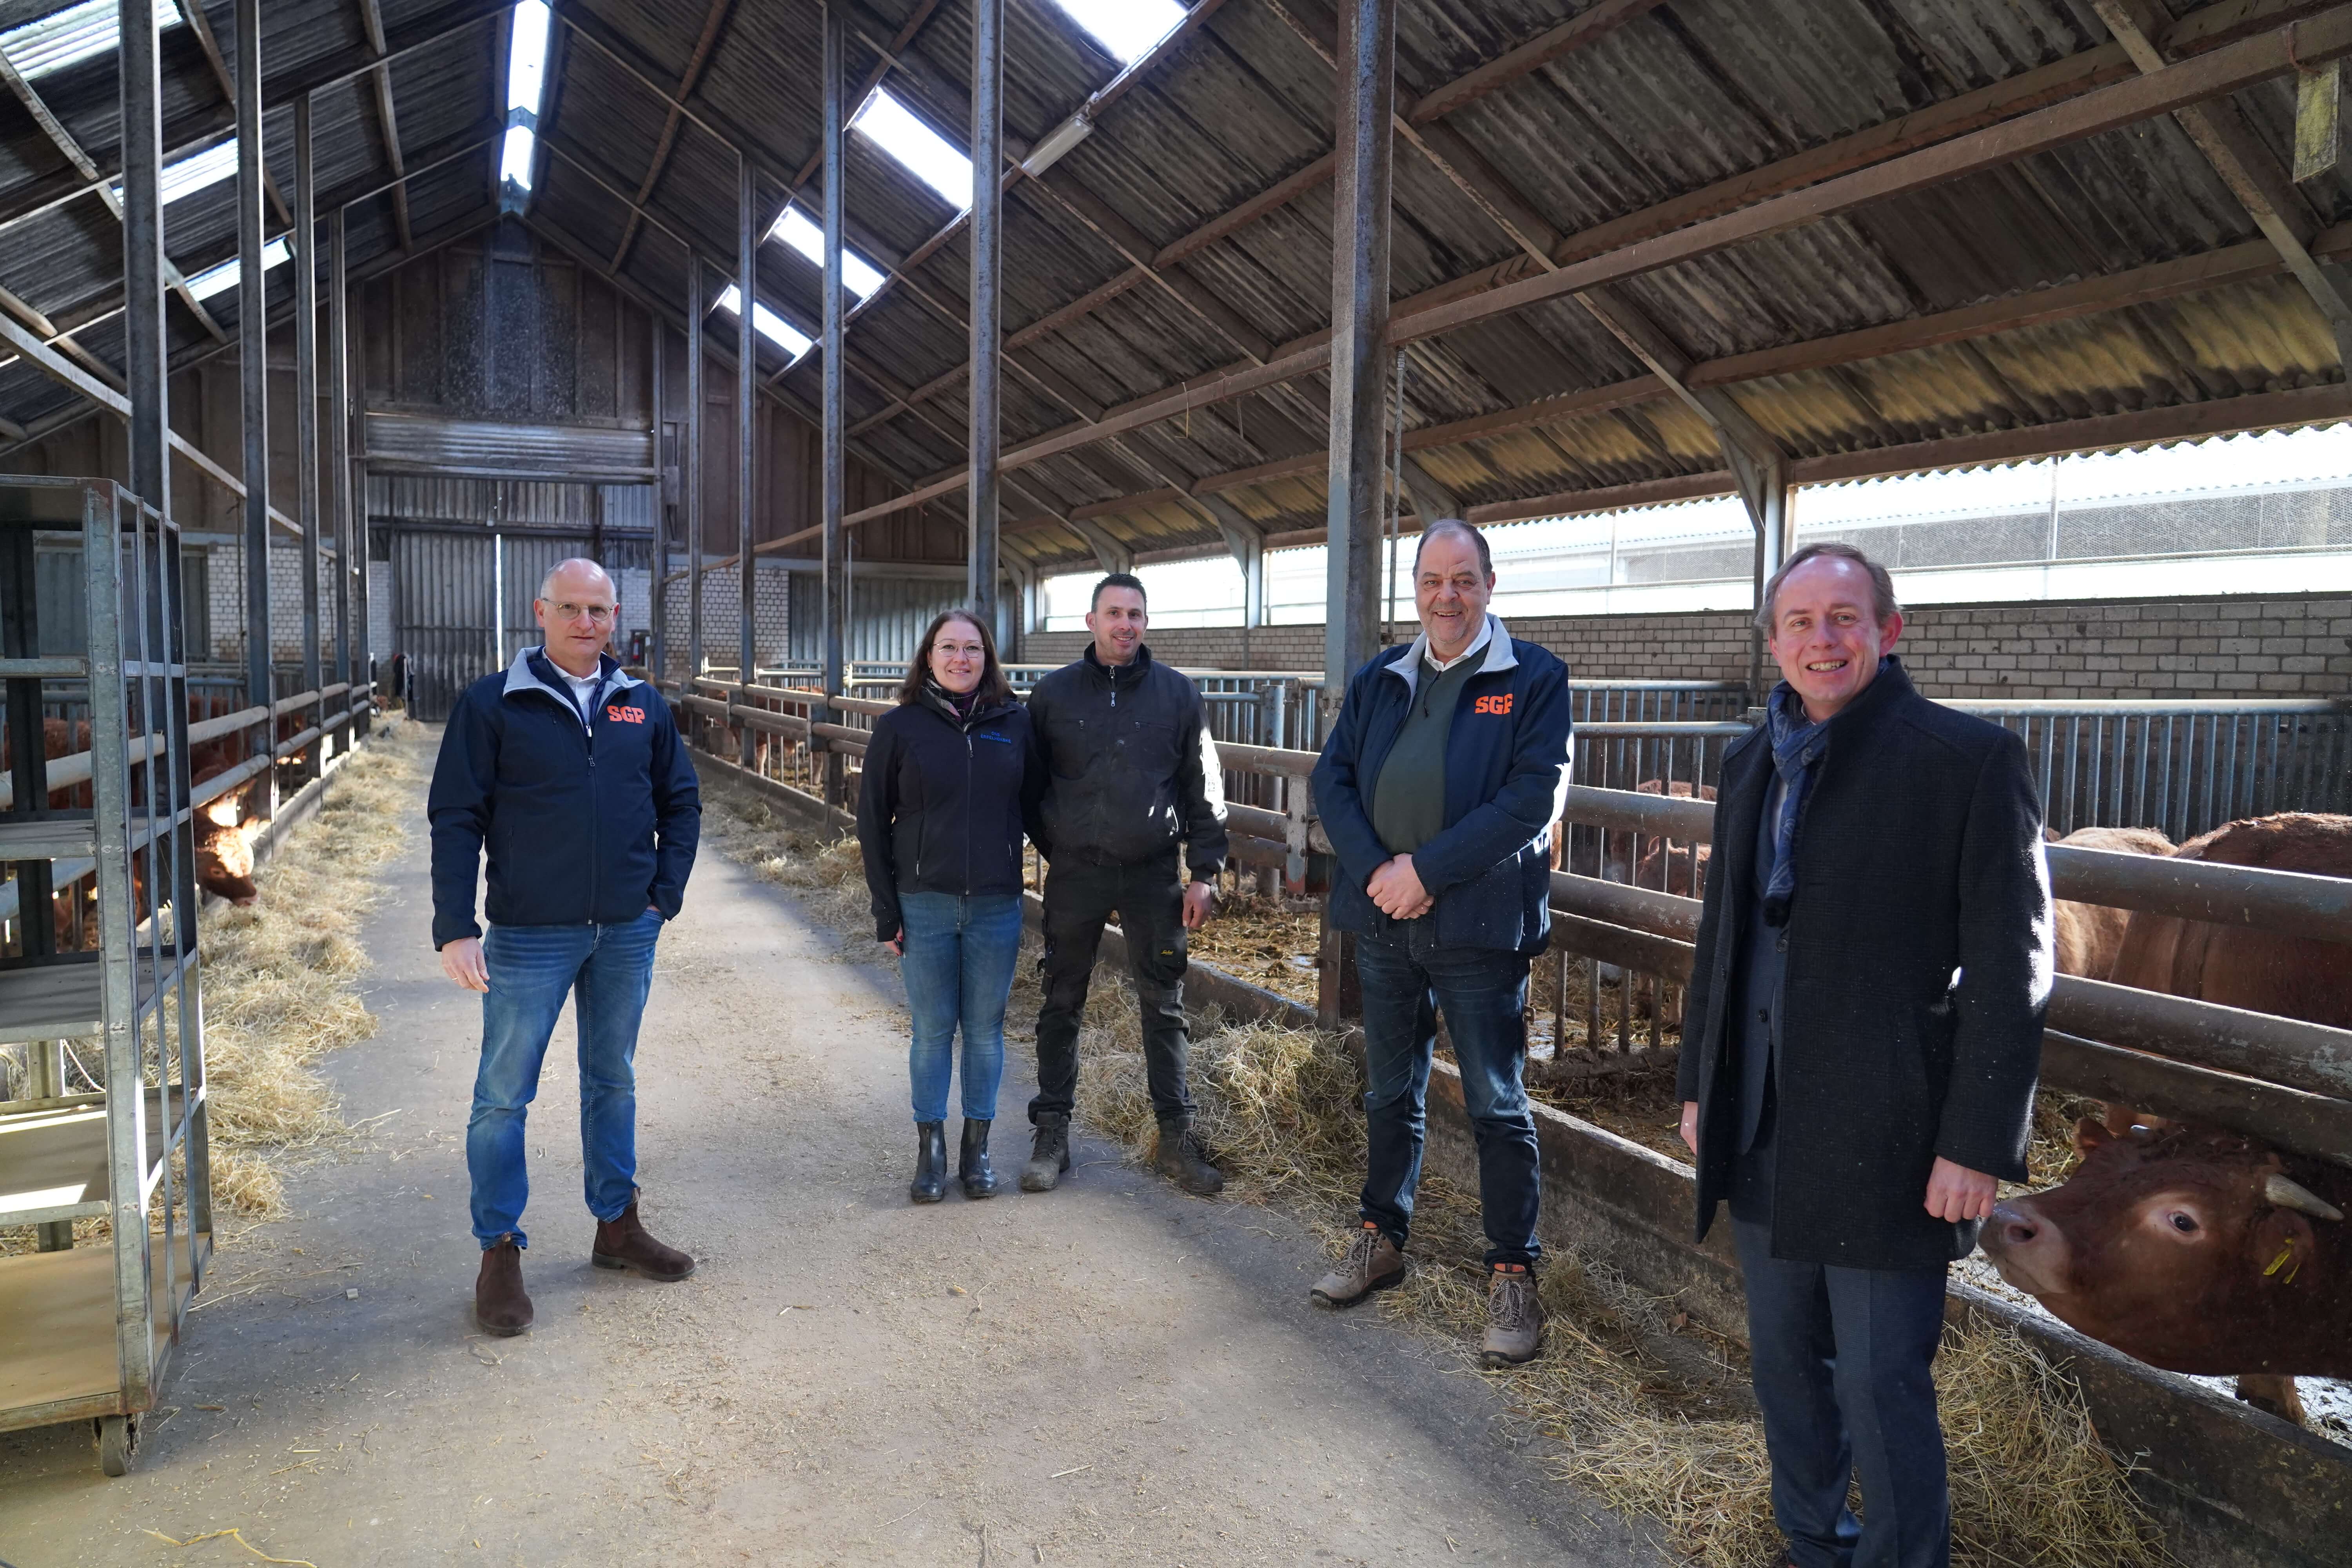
point(967, 795)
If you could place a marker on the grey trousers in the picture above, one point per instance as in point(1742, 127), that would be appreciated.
point(1843, 1367)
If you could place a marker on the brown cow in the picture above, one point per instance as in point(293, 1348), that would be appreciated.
point(2243, 966)
point(2196, 1250)
point(2090, 935)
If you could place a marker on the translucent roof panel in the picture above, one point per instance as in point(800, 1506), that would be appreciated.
point(771, 326)
point(887, 122)
point(69, 37)
point(1125, 27)
point(527, 56)
point(219, 279)
point(515, 156)
point(858, 276)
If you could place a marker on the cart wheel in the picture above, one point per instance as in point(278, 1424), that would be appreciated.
point(117, 1443)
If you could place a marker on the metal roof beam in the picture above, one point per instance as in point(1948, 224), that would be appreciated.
point(714, 22)
point(387, 122)
point(2245, 165)
point(201, 26)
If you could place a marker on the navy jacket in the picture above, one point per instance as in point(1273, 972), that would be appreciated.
point(938, 804)
point(1919, 965)
point(581, 827)
point(1507, 773)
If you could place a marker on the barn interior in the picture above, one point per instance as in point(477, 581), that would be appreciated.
point(351, 318)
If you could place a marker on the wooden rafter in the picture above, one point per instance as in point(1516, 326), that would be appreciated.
point(714, 22)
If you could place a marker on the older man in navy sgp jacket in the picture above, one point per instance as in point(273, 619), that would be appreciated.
point(573, 776)
point(1439, 788)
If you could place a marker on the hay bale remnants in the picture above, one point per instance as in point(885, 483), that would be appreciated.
point(279, 977)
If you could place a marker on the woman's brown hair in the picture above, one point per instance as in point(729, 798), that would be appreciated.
point(993, 687)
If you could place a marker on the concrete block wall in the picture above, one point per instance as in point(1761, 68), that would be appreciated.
point(2275, 646)
point(721, 612)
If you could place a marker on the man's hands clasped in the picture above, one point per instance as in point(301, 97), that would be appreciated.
point(1396, 891)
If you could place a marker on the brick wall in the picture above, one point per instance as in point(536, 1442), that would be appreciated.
point(2289, 645)
point(722, 616)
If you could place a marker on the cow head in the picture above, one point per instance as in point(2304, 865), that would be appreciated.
point(2188, 1247)
point(225, 858)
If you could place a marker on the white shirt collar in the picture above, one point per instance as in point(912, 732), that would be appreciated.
point(1428, 653)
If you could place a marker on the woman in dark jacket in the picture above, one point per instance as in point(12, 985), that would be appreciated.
point(939, 820)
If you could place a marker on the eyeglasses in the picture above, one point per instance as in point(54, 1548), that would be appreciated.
point(598, 613)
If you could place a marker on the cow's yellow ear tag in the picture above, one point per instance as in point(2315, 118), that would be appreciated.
point(2285, 1256)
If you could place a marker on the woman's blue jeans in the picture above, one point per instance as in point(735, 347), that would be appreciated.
point(958, 968)
point(608, 969)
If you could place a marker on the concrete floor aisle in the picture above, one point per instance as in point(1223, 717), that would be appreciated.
point(1112, 1373)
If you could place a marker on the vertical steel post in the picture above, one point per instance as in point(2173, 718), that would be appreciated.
point(987, 256)
point(338, 458)
point(142, 255)
point(306, 409)
point(747, 421)
point(657, 606)
point(689, 464)
point(253, 389)
point(1775, 538)
point(1360, 316)
point(835, 486)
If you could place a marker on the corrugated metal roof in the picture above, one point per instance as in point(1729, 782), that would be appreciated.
point(1688, 94)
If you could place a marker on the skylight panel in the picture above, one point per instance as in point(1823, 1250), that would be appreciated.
point(1125, 27)
point(194, 172)
point(527, 56)
point(69, 37)
point(219, 279)
point(926, 154)
point(773, 327)
point(515, 157)
point(858, 276)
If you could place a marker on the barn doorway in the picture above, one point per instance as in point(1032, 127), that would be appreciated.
point(461, 603)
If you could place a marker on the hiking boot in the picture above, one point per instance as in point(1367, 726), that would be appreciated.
point(1515, 1318)
point(1373, 1263)
point(623, 1243)
point(500, 1303)
point(1184, 1161)
point(1049, 1155)
point(930, 1182)
point(972, 1168)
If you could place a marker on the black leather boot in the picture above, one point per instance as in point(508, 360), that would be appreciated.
point(930, 1182)
point(972, 1168)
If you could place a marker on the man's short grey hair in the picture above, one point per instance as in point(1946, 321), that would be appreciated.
point(1883, 601)
point(1445, 525)
point(547, 583)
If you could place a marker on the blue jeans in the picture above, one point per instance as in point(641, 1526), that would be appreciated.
point(958, 969)
point(1843, 1367)
point(607, 969)
point(1407, 980)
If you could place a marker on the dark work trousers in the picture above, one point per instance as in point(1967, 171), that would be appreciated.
point(1149, 902)
point(1843, 1361)
point(1407, 980)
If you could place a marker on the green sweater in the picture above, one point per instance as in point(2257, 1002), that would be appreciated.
point(1409, 800)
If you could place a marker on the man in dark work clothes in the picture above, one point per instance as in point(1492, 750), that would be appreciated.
point(1865, 1027)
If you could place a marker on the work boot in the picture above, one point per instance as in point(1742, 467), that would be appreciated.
point(500, 1303)
point(930, 1182)
point(623, 1243)
point(973, 1169)
point(1515, 1318)
point(1049, 1154)
point(1372, 1264)
point(1184, 1161)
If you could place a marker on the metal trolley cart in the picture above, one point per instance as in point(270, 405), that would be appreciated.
point(108, 990)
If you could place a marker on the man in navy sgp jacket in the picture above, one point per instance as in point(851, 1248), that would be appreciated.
point(1439, 788)
point(573, 776)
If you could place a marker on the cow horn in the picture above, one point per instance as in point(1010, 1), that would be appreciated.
point(2288, 1193)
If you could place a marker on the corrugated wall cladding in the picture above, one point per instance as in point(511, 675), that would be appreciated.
point(432, 444)
point(887, 616)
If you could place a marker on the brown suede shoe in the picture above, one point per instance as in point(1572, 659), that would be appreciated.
point(623, 1243)
point(1514, 1317)
point(500, 1304)
point(1371, 1264)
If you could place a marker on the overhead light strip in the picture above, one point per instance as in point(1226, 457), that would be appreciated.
point(769, 325)
point(858, 276)
point(526, 89)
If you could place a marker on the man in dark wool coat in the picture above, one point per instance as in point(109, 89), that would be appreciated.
point(1865, 1016)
